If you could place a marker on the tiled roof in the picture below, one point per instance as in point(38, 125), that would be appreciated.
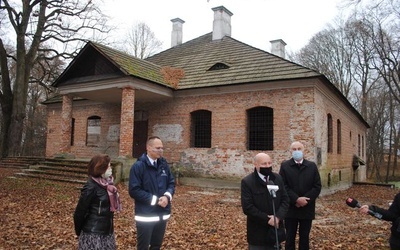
point(246, 63)
point(132, 65)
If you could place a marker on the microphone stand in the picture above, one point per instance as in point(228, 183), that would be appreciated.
point(275, 226)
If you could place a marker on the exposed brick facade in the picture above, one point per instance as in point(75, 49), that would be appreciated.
point(82, 110)
point(127, 122)
point(66, 118)
point(299, 114)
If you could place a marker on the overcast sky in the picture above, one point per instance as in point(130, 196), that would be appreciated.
point(255, 22)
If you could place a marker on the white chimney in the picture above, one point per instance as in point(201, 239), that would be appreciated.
point(278, 47)
point(222, 23)
point(176, 34)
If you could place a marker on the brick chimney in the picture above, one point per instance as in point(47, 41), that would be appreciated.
point(222, 23)
point(176, 34)
point(278, 47)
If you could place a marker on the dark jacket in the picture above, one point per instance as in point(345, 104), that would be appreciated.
point(147, 181)
point(392, 214)
point(301, 181)
point(257, 205)
point(92, 214)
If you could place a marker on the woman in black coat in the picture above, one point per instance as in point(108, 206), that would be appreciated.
point(94, 213)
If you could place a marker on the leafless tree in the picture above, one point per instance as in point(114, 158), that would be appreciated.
point(362, 52)
point(382, 19)
point(328, 53)
point(44, 30)
point(142, 41)
point(361, 57)
point(377, 136)
point(387, 46)
point(34, 134)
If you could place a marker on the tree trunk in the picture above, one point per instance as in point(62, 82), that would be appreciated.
point(6, 101)
point(20, 91)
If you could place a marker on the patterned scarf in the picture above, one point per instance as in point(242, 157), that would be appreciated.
point(115, 202)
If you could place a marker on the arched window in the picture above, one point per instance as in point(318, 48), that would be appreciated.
point(260, 128)
point(339, 137)
point(330, 134)
point(93, 131)
point(362, 147)
point(72, 131)
point(200, 129)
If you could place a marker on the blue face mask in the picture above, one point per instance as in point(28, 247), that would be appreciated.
point(297, 155)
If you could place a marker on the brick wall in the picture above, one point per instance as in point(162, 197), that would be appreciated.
point(299, 114)
point(82, 110)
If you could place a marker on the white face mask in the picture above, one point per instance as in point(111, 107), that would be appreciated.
point(108, 173)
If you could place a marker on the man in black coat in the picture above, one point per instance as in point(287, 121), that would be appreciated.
point(257, 204)
point(303, 185)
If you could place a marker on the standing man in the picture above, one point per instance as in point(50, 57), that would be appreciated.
point(257, 204)
point(151, 185)
point(303, 185)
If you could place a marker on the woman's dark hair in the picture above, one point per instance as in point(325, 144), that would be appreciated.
point(98, 165)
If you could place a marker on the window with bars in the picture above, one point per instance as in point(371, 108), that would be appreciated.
point(93, 131)
point(330, 134)
point(362, 147)
point(72, 131)
point(200, 129)
point(339, 137)
point(260, 128)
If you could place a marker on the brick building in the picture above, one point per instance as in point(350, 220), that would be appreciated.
point(214, 101)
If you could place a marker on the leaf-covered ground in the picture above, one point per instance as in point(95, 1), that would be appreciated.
point(37, 214)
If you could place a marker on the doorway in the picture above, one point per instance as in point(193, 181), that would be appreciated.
point(140, 132)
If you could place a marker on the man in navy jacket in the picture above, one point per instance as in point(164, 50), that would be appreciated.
point(303, 185)
point(151, 185)
point(257, 204)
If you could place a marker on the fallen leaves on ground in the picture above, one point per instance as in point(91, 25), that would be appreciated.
point(37, 214)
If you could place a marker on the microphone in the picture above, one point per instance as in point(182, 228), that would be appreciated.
point(272, 188)
point(354, 203)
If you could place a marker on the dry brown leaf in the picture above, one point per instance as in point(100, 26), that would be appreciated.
point(38, 215)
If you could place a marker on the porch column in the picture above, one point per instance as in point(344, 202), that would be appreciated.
point(127, 121)
point(66, 120)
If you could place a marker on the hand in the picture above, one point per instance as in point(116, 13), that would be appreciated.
point(364, 209)
point(302, 201)
point(163, 201)
point(271, 221)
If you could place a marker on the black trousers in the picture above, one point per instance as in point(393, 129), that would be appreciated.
point(304, 227)
point(394, 242)
point(150, 235)
point(253, 247)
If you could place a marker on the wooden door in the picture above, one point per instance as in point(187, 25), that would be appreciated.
point(139, 138)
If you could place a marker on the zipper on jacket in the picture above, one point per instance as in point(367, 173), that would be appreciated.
point(99, 207)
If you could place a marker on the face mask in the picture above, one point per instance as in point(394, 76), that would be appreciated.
point(297, 155)
point(266, 171)
point(108, 173)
